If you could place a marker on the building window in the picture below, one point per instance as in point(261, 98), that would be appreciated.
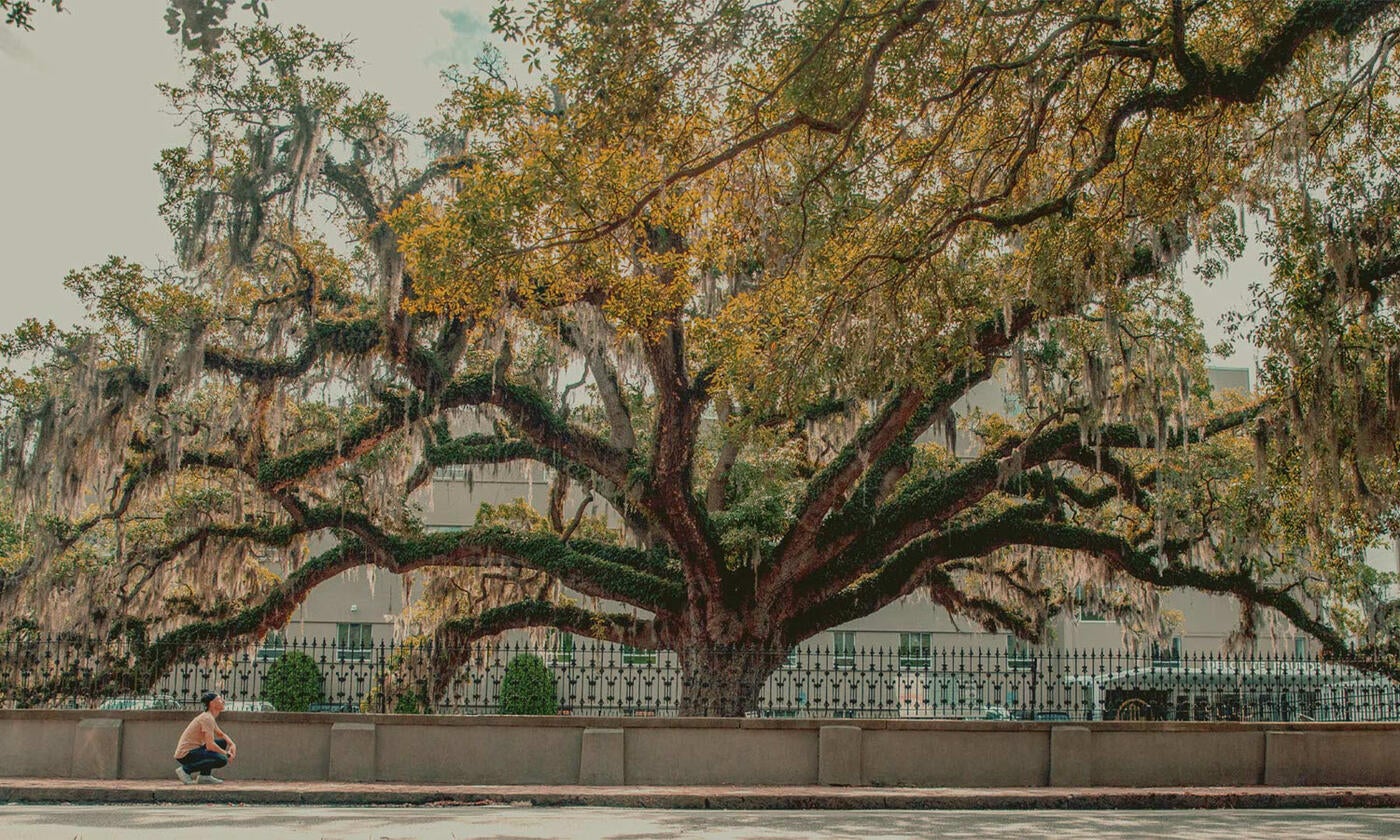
point(791, 661)
point(1300, 647)
point(637, 656)
point(843, 648)
point(1019, 656)
point(354, 642)
point(915, 650)
point(1167, 656)
point(560, 646)
point(1084, 613)
point(274, 644)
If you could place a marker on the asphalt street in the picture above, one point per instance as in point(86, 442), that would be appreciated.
point(221, 822)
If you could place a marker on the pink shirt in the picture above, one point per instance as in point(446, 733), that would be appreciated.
point(202, 730)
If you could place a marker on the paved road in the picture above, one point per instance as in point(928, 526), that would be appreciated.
point(219, 822)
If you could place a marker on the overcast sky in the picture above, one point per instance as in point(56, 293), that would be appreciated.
point(83, 124)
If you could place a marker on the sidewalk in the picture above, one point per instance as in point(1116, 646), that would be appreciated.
point(235, 791)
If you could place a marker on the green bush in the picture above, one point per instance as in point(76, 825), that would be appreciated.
point(293, 683)
point(413, 703)
point(528, 687)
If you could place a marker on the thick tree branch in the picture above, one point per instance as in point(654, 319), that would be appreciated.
point(831, 599)
point(523, 406)
point(1230, 85)
point(914, 516)
point(451, 645)
point(882, 447)
point(667, 496)
point(593, 348)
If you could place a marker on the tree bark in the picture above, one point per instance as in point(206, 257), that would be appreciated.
point(725, 680)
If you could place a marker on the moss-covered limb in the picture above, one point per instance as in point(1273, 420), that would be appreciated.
point(616, 573)
point(620, 628)
point(150, 561)
point(852, 584)
point(1125, 482)
point(667, 488)
point(347, 338)
point(860, 475)
point(276, 608)
point(1046, 485)
point(305, 520)
point(796, 422)
point(1244, 83)
point(350, 181)
point(641, 578)
point(536, 420)
point(852, 605)
point(398, 411)
point(649, 579)
point(532, 415)
point(1144, 563)
point(1127, 436)
point(439, 168)
point(482, 449)
point(832, 482)
point(127, 378)
point(137, 474)
point(154, 659)
point(920, 508)
point(479, 449)
point(452, 641)
point(848, 547)
point(430, 368)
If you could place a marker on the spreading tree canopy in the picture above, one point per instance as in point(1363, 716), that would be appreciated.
point(727, 270)
point(199, 23)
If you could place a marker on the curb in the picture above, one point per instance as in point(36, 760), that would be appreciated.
point(774, 798)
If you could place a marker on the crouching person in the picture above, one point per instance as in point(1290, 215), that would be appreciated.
point(204, 747)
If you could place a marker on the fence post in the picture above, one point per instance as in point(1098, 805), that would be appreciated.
point(379, 677)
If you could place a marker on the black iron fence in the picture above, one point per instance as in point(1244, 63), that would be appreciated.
point(604, 679)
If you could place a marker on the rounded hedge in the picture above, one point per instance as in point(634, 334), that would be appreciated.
point(528, 687)
point(414, 702)
point(293, 682)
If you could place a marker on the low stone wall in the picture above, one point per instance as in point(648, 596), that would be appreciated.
point(671, 751)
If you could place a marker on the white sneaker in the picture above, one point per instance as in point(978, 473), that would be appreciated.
point(184, 775)
point(211, 780)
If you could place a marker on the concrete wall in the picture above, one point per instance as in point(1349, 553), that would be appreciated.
point(575, 750)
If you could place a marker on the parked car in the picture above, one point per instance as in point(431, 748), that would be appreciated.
point(1042, 714)
point(248, 706)
point(161, 701)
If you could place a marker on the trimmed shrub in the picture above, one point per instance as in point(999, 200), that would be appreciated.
point(293, 683)
point(528, 687)
point(413, 703)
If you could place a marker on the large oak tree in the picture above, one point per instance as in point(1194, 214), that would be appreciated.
point(728, 270)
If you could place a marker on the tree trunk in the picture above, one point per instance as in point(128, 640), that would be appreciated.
point(725, 680)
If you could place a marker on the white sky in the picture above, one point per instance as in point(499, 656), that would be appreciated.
point(83, 124)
